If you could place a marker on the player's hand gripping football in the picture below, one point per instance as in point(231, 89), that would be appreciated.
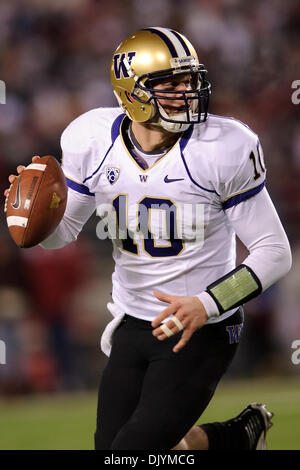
point(20, 168)
point(187, 309)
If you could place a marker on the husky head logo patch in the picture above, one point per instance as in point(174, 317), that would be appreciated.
point(112, 174)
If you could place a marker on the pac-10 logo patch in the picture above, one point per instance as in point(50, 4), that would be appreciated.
point(112, 174)
point(120, 67)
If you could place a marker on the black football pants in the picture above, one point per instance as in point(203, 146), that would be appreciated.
point(149, 396)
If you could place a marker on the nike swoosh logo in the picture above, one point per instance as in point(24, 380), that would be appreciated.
point(171, 180)
point(17, 202)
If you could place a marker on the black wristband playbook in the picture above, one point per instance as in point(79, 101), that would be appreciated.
point(235, 288)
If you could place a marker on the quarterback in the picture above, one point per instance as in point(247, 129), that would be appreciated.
point(180, 184)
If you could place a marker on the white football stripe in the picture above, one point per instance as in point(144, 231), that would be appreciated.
point(36, 166)
point(16, 220)
point(176, 43)
point(27, 204)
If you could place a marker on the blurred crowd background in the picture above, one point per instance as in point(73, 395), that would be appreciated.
point(54, 58)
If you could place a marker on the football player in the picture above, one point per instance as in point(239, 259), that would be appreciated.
point(174, 185)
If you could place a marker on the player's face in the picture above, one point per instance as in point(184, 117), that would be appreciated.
point(176, 84)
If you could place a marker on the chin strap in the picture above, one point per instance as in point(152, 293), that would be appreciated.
point(171, 126)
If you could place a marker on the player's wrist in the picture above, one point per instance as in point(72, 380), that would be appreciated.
point(209, 305)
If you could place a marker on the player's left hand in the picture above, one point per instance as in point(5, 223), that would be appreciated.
point(187, 309)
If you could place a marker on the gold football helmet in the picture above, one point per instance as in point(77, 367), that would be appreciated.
point(145, 59)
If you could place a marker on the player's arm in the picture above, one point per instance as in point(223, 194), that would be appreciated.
point(76, 158)
point(254, 219)
point(79, 209)
point(258, 226)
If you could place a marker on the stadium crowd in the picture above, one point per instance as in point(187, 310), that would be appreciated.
point(54, 59)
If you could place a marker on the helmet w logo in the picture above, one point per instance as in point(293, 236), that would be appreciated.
point(122, 63)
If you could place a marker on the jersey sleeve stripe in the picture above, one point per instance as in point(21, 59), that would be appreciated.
point(115, 128)
point(237, 198)
point(80, 188)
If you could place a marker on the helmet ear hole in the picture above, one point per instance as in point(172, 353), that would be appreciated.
point(129, 97)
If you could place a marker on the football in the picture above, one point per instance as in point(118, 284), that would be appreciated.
point(36, 202)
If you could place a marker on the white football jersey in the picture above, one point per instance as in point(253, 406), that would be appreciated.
point(168, 223)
